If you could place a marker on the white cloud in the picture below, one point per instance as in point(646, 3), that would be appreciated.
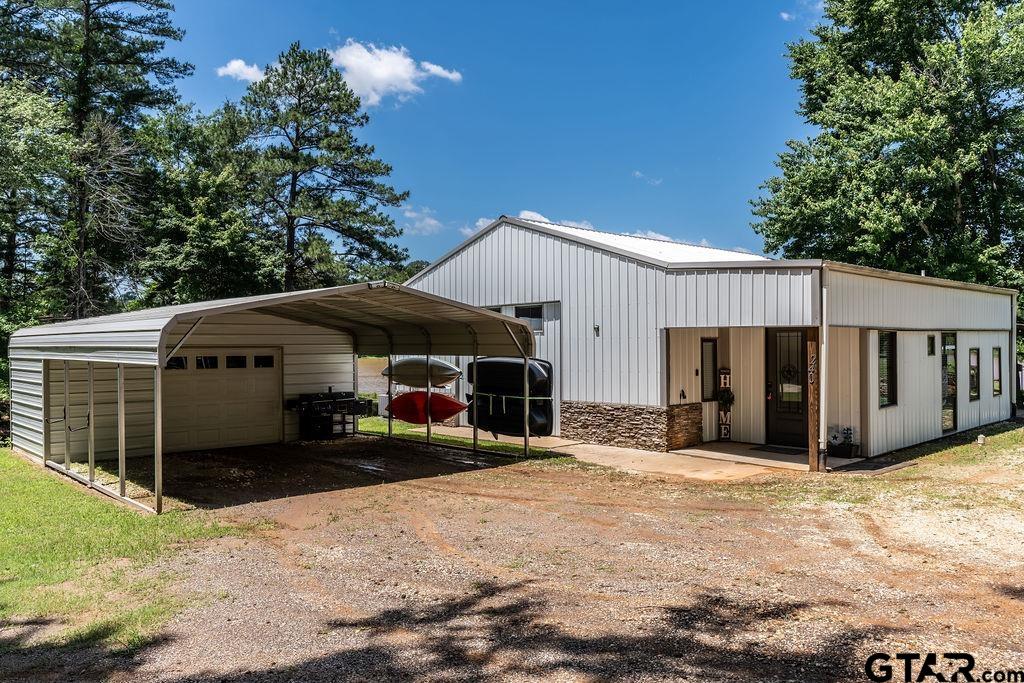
point(421, 221)
point(652, 235)
point(534, 216)
point(786, 16)
point(480, 224)
point(376, 72)
point(527, 215)
point(646, 178)
point(240, 71)
point(441, 72)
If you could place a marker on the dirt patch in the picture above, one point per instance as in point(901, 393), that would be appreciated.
point(417, 563)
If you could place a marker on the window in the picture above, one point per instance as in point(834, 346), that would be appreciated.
point(997, 371)
point(887, 381)
point(974, 374)
point(235, 362)
point(708, 369)
point(263, 361)
point(931, 344)
point(533, 315)
point(177, 363)
point(206, 362)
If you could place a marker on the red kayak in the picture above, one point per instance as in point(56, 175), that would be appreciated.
point(412, 407)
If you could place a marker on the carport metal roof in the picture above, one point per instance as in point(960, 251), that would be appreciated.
point(382, 317)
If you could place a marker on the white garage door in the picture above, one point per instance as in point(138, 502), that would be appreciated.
point(214, 398)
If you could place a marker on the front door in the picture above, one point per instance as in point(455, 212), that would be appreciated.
point(786, 377)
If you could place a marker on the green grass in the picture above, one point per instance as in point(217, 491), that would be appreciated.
point(940, 475)
point(379, 425)
point(71, 557)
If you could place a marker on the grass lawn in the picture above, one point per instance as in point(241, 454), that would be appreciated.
point(405, 430)
point(66, 555)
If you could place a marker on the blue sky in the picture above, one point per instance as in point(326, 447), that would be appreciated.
point(630, 117)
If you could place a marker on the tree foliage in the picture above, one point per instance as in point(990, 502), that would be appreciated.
point(918, 160)
point(315, 177)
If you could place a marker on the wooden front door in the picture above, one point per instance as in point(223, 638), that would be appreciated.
point(786, 390)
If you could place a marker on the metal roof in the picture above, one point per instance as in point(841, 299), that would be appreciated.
point(382, 317)
point(666, 250)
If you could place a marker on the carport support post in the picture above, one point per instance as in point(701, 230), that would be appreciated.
point(67, 417)
point(92, 427)
point(158, 439)
point(429, 417)
point(476, 383)
point(120, 428)
point(389, 393)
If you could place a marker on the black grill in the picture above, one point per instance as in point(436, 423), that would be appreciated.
point(329, 415)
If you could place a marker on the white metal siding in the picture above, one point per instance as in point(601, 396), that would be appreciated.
point(619, 361)
point(986, 408)
point(844, 400)
point(27, 405)
point(684, 374)
point(873, 302)
point(746, 350)
point(917, 415)
point(313, 357)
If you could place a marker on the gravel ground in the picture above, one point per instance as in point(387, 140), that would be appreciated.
point(409, 566)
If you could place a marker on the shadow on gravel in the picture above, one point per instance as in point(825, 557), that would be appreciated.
point(502, 632)
point(1015, 592)
point(86, 656)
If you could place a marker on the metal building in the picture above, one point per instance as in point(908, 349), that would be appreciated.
point(217, 373)
point(644, 332)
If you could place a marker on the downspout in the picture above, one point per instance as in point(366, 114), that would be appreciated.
point(823, 374)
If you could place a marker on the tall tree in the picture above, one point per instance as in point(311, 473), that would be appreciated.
point(104, 59)
point(919, 159)
point(317, 178)
point(34, 153)
point(203, 238)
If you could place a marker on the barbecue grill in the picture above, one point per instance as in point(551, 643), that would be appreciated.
point(329, 415)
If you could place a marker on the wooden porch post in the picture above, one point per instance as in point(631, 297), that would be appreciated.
point(813, 400)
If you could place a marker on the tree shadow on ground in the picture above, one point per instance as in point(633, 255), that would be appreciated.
point(1015, 592)
point(28, 651)
point(501, 632)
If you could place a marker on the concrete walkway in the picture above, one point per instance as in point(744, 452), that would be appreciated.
point(652, 462)
point(704, 463)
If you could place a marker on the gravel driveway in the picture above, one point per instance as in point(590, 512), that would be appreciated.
point(407, 565)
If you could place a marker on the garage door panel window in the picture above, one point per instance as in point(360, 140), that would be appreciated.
point(263, 361)
point(206, 362)
point(235, 362)
point(177, 363)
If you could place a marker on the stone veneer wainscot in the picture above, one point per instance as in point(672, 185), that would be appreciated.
point(651, 428)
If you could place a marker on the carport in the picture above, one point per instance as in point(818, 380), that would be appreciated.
point(216, 373)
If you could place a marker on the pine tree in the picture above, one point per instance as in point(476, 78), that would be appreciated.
point(315, 177)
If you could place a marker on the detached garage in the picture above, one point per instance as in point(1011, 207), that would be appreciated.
point(217, 374)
